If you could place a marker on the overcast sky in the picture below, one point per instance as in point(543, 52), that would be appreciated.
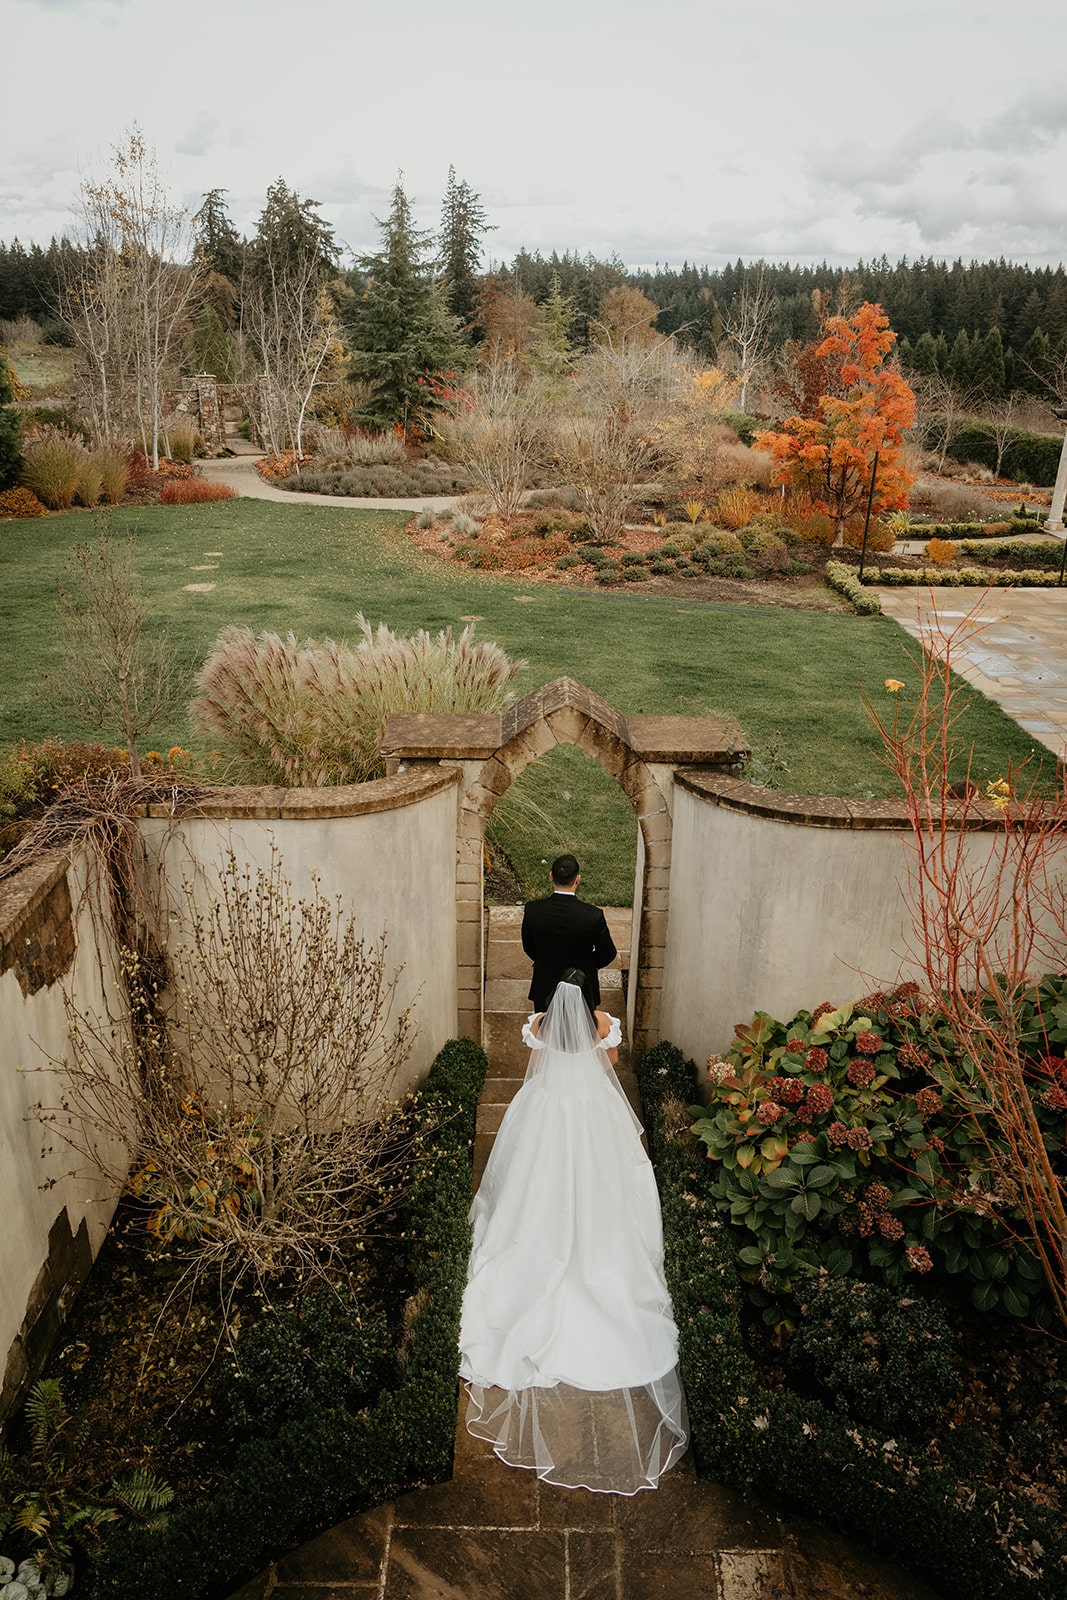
point(669, 130)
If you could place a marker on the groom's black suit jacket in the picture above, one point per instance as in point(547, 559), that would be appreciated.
point(560, 932)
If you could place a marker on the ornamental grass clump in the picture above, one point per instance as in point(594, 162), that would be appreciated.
point(312, 714)
point(53, 463)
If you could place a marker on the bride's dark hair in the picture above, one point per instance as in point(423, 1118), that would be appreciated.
point(576, 977)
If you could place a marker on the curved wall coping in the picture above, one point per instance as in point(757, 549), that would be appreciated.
point(341, 800)
point(23, 891)
point(815, 811)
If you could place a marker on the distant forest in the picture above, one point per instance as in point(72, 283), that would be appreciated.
point(1023, 309)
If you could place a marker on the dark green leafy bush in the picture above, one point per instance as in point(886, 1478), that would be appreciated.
point(632, 558)
point(333, 1461)
point(754, 1436)
point(1033, 555)
point(324, 1352)
point(882, 1357)
point(1028, 457)
point(725, 567)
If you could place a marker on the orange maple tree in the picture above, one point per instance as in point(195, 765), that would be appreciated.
point(829, 454)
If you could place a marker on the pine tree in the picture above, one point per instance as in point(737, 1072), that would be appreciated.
point(552, 346)
point(1035, 361)
point(218, 244)
point(987, 365)
point(210, 348)
point(405, 342)
point(960, 361)
point(10, 427)
point(460, 246)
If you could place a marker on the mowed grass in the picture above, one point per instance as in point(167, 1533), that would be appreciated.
point(791, 678)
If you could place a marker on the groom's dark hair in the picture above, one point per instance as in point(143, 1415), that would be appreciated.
point(564, 869)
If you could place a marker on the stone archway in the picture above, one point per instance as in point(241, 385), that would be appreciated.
point(640, 753)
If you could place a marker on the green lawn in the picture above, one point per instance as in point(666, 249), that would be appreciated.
point(791, 678)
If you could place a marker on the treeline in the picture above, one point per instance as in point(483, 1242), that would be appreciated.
point(943, 299)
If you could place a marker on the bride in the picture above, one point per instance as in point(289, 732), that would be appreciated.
point(567, 1342)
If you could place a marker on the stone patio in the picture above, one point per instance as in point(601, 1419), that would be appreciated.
point(497, 1533)
point(1018, 657)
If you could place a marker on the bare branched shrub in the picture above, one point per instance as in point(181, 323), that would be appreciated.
point(251, 1091)
point(609, 441)
point(111, 674)
point(987, 924)
point(498, 433)
point(314, 713)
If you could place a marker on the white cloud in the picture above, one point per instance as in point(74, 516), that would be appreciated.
point(692, 132)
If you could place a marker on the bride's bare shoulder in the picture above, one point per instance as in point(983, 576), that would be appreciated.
point(603, 1024)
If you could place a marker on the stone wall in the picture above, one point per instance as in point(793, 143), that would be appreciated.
point(781, 901)
point(387, 849)
point(53, 941)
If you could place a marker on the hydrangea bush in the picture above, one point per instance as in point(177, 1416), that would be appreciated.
point(841, 1145)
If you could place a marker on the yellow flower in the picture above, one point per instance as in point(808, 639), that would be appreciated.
point(894, 685)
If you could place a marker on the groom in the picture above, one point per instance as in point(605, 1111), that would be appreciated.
point(562, 931)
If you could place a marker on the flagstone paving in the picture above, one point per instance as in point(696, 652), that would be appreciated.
point(496, 1533)
point(1016, 655)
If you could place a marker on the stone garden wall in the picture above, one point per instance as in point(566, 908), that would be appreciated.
point(54, 938)
point(781, 901)
point(387, 849)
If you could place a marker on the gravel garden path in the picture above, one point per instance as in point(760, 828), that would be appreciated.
point(239, 472)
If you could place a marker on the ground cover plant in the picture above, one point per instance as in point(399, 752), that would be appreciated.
point(311, 569)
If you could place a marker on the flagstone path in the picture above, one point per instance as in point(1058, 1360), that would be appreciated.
point(1017, 655)
point(496, 1533)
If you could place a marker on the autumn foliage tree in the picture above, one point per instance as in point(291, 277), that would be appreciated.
point(828, 453)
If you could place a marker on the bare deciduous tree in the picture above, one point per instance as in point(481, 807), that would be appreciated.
point(940, 404)
point(130, 294)
point(608, 443)
point(747, 328)
point(497, 432)
point(1003, 419)
point(110, 673)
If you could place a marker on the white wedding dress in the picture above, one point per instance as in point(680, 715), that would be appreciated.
point(567, 1340)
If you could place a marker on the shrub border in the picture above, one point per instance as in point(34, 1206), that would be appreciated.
point(752, 1437)
point(845, 580)
point(334, 1464)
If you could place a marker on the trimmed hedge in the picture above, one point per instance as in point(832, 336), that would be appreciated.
point(1028, 457)
point(333, 1464)
point(845, 580)
point(979, 1546)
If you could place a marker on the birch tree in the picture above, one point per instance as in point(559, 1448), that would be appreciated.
point(289, 311)
point(131, 294)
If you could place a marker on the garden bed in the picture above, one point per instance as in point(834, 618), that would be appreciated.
point(259, 1431)
point(969, 1482)
point(793, 580)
